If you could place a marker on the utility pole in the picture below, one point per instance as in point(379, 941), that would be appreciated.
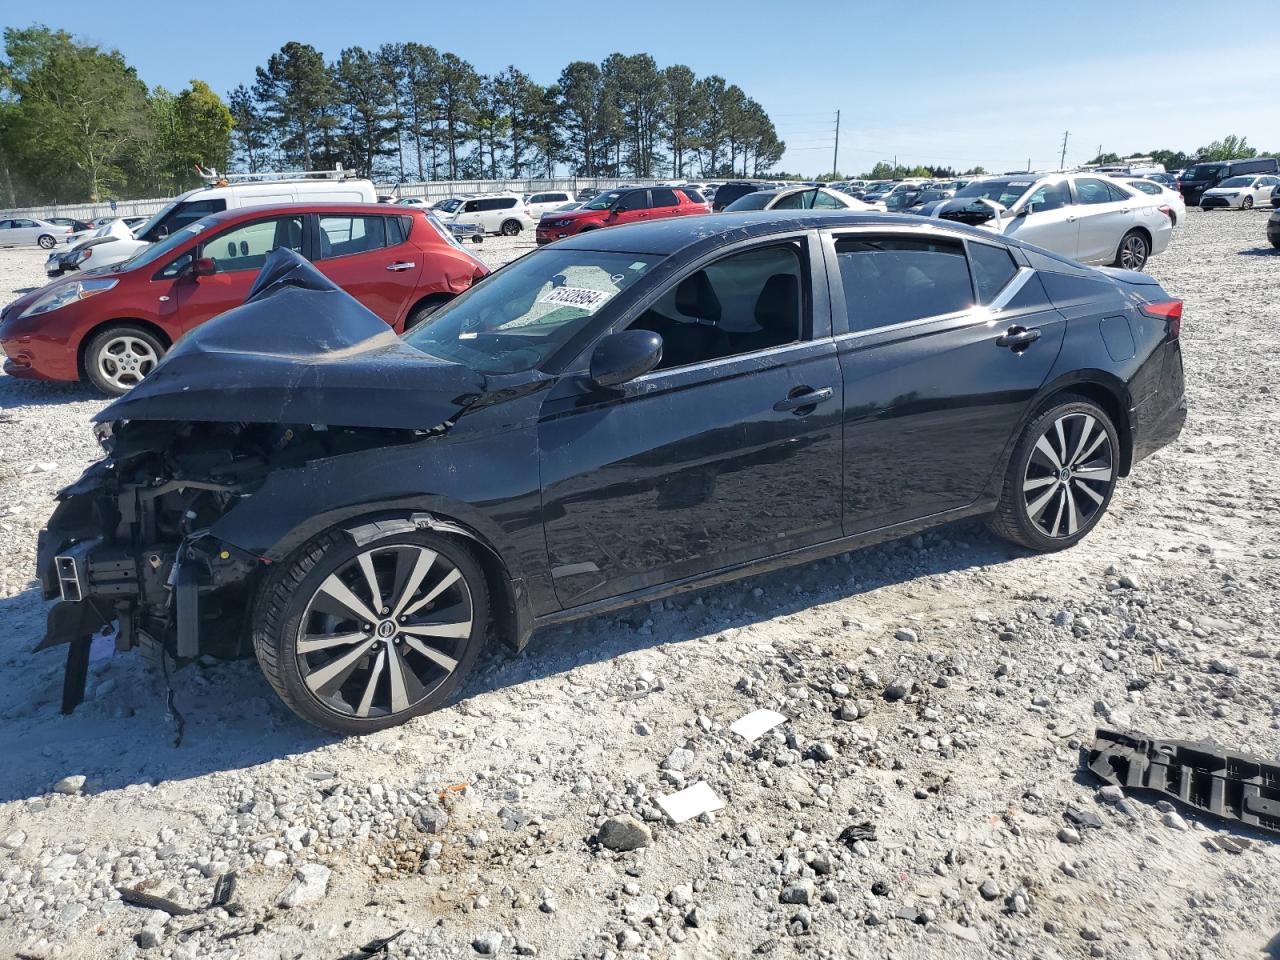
point(1062, 163)
point(835, 155)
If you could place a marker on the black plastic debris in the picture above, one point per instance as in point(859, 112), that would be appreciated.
point(1233, 786)
point(224, 888)
point(140, 898)
point(373, 948)
point(858, 831)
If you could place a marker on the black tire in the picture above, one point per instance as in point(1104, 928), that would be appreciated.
point(1246, 203)
point(1276, 244)
point(138, 356)
point(1133, 251)
point(292, 594)
point(425, 309)
point(46, 242)
point(1028, 497)
point(510, 228)
point(478, 238)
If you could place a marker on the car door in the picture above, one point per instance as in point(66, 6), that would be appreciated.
point(367, 256)
point(238, 253)
point(25, 231)
point(1106, 214)
point(1047, 218)
point(728, 452)
point(663, 202)
point(942, 342)
point(631, 207)
point(7, 235)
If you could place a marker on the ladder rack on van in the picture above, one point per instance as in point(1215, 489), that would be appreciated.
point(213, 178)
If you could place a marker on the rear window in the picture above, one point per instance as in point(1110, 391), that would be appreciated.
point(892, 280)
point(732, 191)
point(342, 236)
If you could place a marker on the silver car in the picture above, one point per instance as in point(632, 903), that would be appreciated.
point(20, 231)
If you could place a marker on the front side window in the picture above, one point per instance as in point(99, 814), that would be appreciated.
point(892, 280)
point(245, 247)
point(1052, 196)
point(473, 206)
point(635, 200)
point(522, 314)
point(742, 303)
point(341, 236)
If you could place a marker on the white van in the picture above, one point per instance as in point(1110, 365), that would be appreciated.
point(226, 192)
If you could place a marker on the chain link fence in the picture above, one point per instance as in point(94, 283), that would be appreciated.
point(430, 190)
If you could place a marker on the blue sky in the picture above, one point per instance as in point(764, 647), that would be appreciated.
point(986, 82)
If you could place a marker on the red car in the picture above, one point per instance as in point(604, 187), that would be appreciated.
point(623, 205)
point(113, 325)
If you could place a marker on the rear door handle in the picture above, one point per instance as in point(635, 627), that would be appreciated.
point(1016, 337)
point(803, 397)
point(402, 265)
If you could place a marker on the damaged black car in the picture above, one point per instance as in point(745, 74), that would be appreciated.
point(613, 418)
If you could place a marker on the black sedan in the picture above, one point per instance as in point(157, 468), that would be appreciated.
point(618, 416)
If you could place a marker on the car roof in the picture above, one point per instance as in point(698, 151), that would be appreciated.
point(695, 234)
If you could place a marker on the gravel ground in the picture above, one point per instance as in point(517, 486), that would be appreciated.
point(936, 690)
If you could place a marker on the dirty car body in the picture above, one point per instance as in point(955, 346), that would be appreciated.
point(617, 417)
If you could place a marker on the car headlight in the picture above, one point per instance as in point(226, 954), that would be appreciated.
point(562, 223)
point(67, 293)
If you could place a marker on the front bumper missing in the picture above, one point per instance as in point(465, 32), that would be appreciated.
point(1232, 786)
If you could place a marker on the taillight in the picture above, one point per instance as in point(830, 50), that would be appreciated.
point(1167, 211)
point(1170, 311)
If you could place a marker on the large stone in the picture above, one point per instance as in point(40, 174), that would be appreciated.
point(310, 883)
point(624, 833)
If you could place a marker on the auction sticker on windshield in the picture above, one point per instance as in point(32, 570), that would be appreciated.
point(581, 297)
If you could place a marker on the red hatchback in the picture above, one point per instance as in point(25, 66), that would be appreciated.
point(623, 205)
point(113, 325)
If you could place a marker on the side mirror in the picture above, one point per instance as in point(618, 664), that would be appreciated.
point(1029, 208)
point(204, 267)
point(621, 357)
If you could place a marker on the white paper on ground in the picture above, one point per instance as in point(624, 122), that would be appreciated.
point(756, 723)
point(690, 802)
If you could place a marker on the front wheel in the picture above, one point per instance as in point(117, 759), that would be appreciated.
point(357, 637)
point(117, 359)
point(511, 228)
point(46, 242)
point(1060, 478)
point(1133, 251)
point(1246, 203)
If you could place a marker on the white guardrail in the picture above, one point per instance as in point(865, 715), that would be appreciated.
point(431, 190)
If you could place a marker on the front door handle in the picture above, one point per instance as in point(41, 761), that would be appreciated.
point(1018, 338)
point(402, 265)
point(801, 399)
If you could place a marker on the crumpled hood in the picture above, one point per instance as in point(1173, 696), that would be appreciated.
point(300, 350)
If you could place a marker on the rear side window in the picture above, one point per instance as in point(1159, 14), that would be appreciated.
point(662, 197)
point(398, 229)
point(504, 203)
point(992, 269)
point(693, 195)
point(1090, 191)
point(824, 201)
point(892, 280)
point(1118, 192)
point(341, 236)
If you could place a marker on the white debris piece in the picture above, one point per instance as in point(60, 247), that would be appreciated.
point(756, 723)
point(690, 802)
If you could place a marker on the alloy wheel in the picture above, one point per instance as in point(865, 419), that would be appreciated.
point(47, 242)
point(384, 630)
point(1246, 203)
point(1133, 252)
point(123, 361)
point(1068, 476)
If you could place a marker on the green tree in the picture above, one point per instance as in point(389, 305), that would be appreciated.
point(683, 115)
point(1106, 158)
point(421, 77)
point(365, 99)
point(251, 130)
point(581, 105)
point(79, 110)
point(456, 94)
point(1228, 148)
point(297, 96)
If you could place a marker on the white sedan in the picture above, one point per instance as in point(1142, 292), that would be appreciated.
point(20, 231)
point(800, 198)
point(1086, 217)
point(1240, 193)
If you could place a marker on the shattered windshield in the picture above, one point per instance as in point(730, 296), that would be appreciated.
point(516, 318)
point(1003, 192)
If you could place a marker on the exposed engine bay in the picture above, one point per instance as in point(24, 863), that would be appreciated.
point(129, 542)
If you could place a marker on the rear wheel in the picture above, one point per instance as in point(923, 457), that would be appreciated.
point(46, 242)
point(1246, 203)
point(359, 637)
point(1133, 251)
point(425, 309)
point(1060, 478)
point(511, 228)
point(117, 358)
